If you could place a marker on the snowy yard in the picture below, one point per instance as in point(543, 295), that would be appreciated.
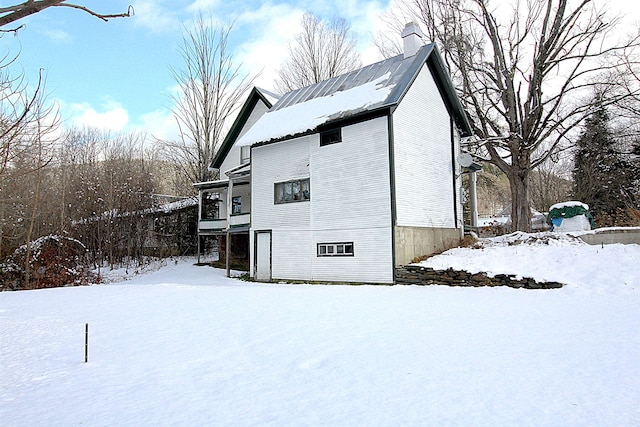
point(186, 346)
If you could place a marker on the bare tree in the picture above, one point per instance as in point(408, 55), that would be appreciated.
point(12, 13)
point(211, 86)
point(24, 122)
point(322, 50)
point(19, 109)
point(525, 75)
point(550, 183)
point(107, 201)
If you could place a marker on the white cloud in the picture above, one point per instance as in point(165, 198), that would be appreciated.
point(269, 30)
point(159, 124)
point(366, 22)
point(57, 35)
point(154, 15)
point(112, 115)
point(203, 5)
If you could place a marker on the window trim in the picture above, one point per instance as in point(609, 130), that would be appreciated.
point(326, 136)
point(333, 249)
point(300, 192)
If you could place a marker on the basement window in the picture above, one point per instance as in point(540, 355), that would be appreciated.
point(335, 249)
point(329, 137)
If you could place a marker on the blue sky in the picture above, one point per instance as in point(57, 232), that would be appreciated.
point(115, 74)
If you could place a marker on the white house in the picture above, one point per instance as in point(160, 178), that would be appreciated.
point(224, 210)
point(351, 177)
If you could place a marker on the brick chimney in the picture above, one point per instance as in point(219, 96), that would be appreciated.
point(411, 39)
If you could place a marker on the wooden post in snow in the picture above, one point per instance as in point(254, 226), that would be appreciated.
point(86, 342)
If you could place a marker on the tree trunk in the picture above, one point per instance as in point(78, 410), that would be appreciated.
point(34, 212)
point(520, 209)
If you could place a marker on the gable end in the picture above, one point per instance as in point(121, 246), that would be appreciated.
point(254, 96)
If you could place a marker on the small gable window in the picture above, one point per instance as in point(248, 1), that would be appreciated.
point(329, 137)
point(245, 154)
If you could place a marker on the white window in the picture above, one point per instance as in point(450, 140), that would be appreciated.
point(292, 191)
point(335, 249)
point(245, 154)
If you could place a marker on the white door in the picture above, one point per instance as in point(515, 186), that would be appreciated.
point(263, 256)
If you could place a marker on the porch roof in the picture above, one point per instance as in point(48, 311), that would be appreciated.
point(222, 183)
point(239, 170)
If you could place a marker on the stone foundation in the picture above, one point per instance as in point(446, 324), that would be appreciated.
point(418, 275)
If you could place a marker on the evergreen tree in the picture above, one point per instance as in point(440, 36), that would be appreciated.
point(603, 176)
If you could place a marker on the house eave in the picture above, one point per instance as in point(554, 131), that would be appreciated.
point(337, 121)
point(448, 93)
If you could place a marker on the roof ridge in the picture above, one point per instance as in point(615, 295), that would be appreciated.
point(326, 87)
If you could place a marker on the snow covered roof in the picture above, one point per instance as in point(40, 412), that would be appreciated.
point(317, 111)
point(165, 208)
point(240, 169)
point(221, 183)
point(375, 87)
point(175, 206)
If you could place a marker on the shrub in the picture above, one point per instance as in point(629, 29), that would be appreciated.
point(628, 217)
point(10, 276)
point(54, 261)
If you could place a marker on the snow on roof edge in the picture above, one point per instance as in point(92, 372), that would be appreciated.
point(315, 112)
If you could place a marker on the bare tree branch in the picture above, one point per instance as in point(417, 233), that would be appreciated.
point(322, 50)
point(9, 14)
point(527, 77)
point(211, 87)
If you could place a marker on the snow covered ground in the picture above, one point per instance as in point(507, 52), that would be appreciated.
point(186, 346)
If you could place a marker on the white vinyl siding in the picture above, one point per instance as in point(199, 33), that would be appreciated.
point(291, 257)
point(423, 158)
point(371, 260)
point(350, 202)
point(350, 180)
point(274, 163)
